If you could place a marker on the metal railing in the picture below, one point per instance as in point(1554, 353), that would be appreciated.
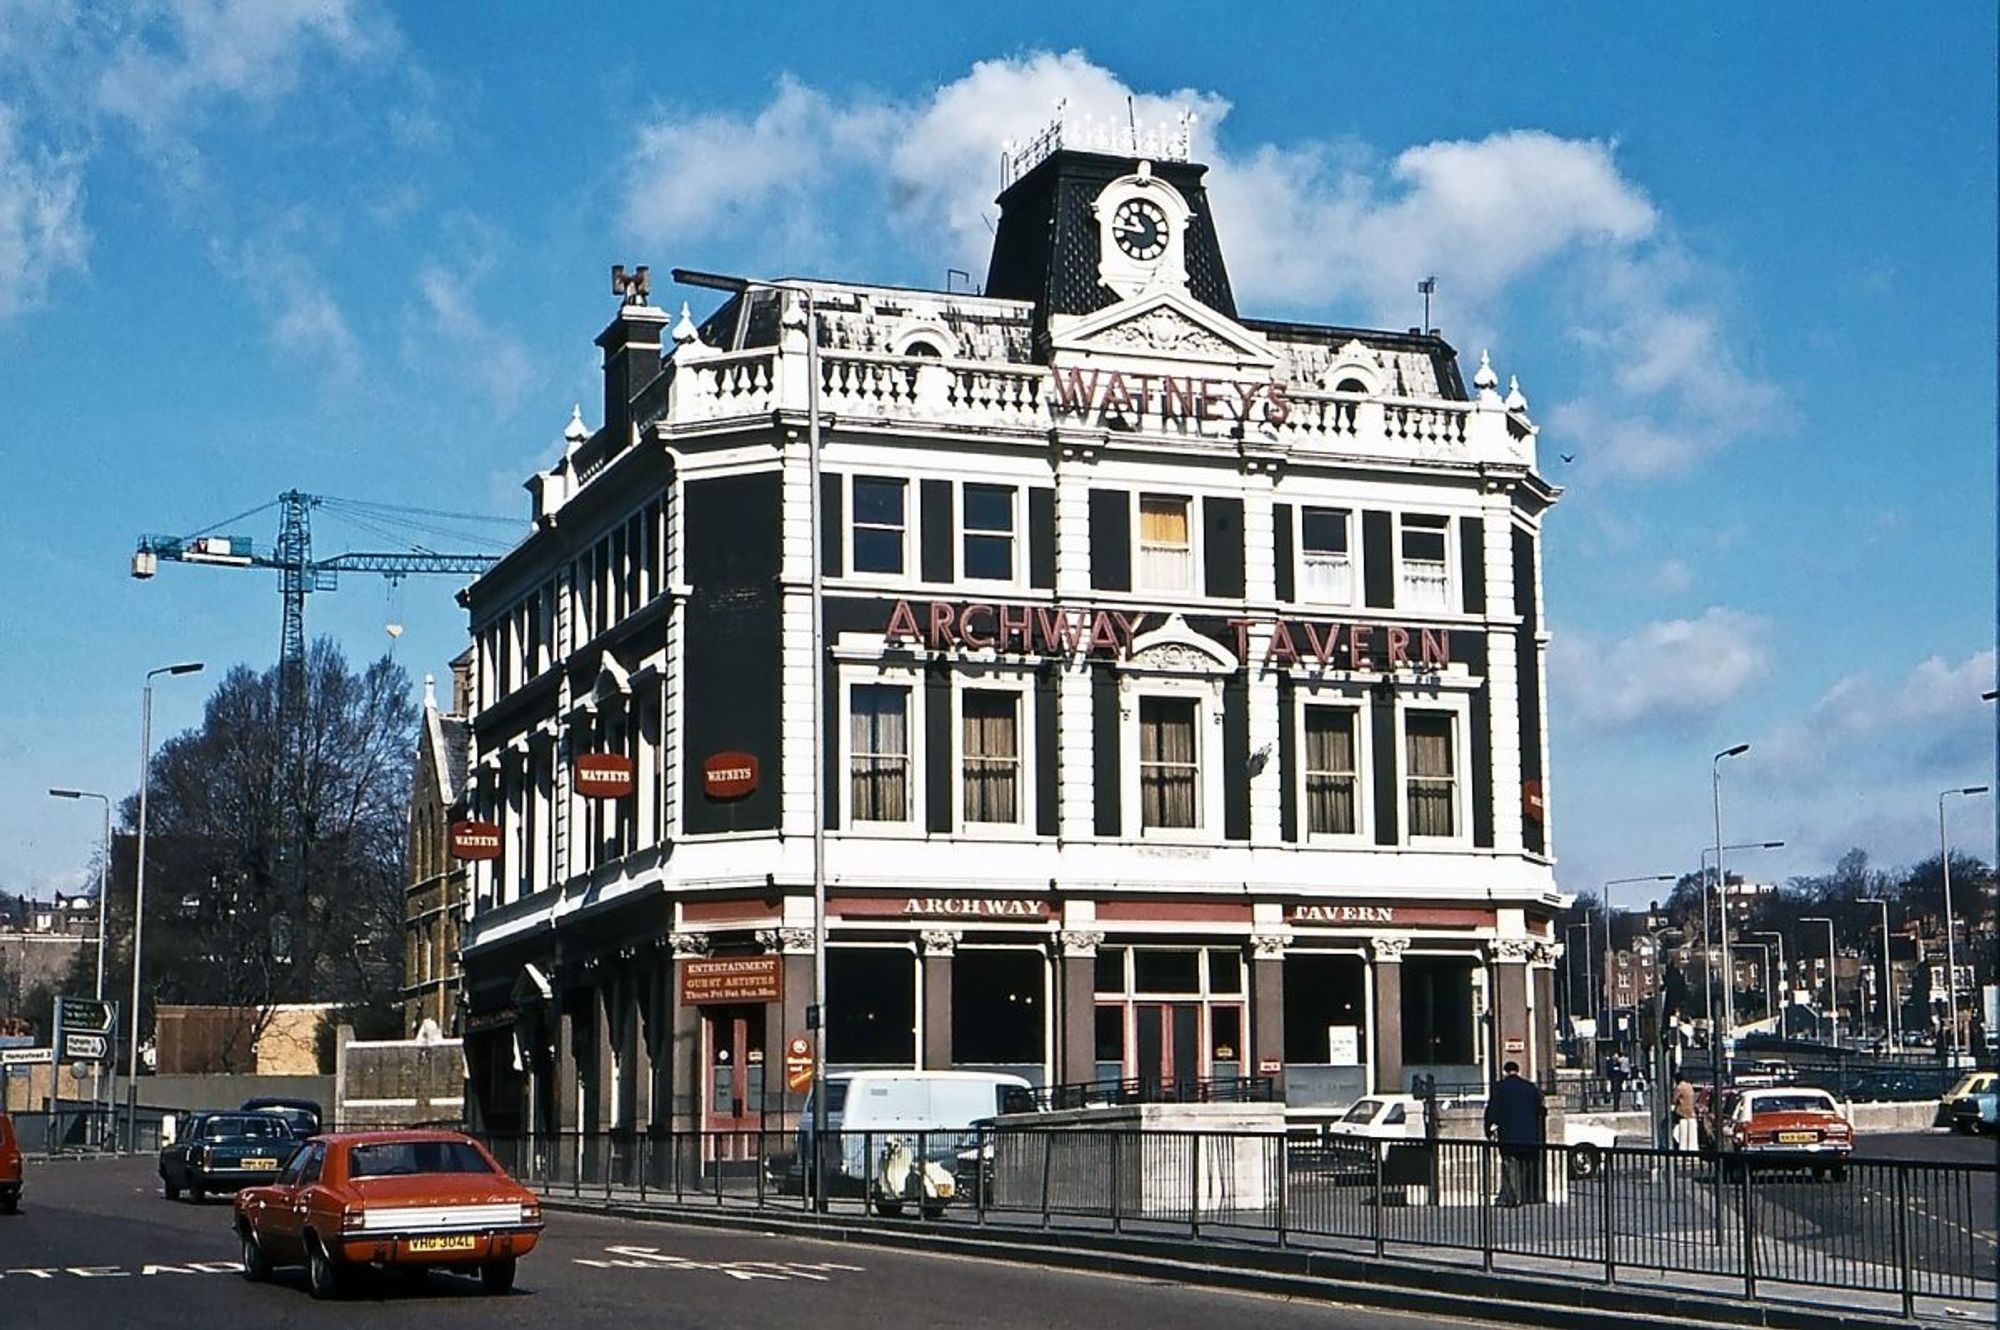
point(1141, 1090)
point(1900, 1230)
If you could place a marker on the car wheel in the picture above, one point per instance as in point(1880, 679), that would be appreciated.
point(196, 1194)
point(933, 1212)
point(172, 1190)
point(1838, 1172)
point(323, 1276)
point(1585, 1161)
point(497, 1276)
point(888, 1209)
point(256, 1265)
point(10, 1204)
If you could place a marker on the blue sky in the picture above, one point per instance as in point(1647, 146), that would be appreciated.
point(1741, 258)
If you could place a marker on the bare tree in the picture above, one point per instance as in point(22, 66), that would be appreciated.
point(275, 852)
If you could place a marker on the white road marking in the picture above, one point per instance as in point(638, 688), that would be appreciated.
point(49, 1272)
point(652, 1258)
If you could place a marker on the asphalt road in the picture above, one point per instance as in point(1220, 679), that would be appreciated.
point(96, 1244)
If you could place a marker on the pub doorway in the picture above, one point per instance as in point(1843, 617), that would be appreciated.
point(733, 1082)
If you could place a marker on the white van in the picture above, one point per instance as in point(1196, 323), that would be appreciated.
point(929, 1113)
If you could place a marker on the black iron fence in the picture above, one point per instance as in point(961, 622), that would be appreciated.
point(1141, 1090)
point(1905, 1231)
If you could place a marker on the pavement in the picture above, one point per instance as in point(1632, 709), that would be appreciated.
point(97, 1245)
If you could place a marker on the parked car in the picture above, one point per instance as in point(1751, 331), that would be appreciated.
point(1974, 1083)
point(882, 1121)
point(223, 1151)
point(1893, 1084)
point(405, 1200)
point(1979, 1111)
point(1790, 1126)
point(303, 1116)
point(1400, 1117)
point(10, 1167)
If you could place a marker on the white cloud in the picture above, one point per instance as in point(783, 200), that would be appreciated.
point(303, 314)
point(1673, 670)
point(1931, 721)
point(445, 334)
point(1673, 578)
point(42, 231)
point(183, 53)
point(1321, 228)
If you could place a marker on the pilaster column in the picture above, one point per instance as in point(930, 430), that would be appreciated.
point(1542, 996)
point(1079, 1004)
point(1510, 999)
point(1267, 1006)
point(939, 945)
point(1388, 1045)
point(563, 1106)
point(788, 1018)
point(684, 1099)
point(1076, 795)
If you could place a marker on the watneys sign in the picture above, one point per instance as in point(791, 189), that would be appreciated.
point(475, 840)
point(605, 775)
point(729, 775)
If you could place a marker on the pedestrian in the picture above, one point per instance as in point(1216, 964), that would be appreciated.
point(1515, 1123)
point(1615, 1072)
point(1686, 1135)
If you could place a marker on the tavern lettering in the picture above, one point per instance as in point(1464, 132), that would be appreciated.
point(959, 906)
point(1173, 399)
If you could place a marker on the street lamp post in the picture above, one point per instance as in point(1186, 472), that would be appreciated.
point(1832, 979)
point(1721, 902)
point(103, 868)
point(1588, 980)
point(139, 893)
point(1783, 997)
point(1610, 983)
point(1728, 1050)
point(817, 1016)
point(1950, 925)
point(1888, 979)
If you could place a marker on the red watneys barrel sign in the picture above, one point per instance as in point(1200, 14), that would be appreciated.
point(605, 775)
point(475, 840)
point(729, 775)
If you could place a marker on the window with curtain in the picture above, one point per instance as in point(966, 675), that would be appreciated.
point(1330, 773)
point(1169, 770)
point(1432, 778)
point(879, 524)
point(989, 532)
point(1166, 550)
point(1326, 570)
point(1426, 580)
point(879, 752)
point(991, 748)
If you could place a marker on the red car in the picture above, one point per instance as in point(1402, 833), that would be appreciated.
point(402, 1200)
point(10, 1167)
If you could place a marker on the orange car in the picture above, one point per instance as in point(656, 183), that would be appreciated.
point(10, 1167)
point(1790, 1126)
point(405, 1200)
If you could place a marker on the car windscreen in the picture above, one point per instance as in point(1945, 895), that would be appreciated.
point(249, 1126)
point(1791, 1103)
point(1363, 1111)
point(395, 1159)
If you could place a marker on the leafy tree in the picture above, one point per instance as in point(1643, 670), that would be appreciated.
point(275, 851)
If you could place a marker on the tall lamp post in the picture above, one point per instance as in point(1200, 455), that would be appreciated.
point(1610, 983)
point(1728, 1050)
point(1832, 978)
point(1782, 998)
point(1888, 979)
point(1588, 980)
point(816, 1017)
point(139, 893)
point(1950, 925)
point(103, 867)
point(1721, 902)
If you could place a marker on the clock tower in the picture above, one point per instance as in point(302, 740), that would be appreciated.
point(1080, 231)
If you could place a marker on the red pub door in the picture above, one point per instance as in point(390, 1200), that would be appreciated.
point(1169, 1043)
point(734, 1093)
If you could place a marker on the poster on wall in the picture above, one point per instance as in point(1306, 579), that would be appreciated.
point(1343, 1045)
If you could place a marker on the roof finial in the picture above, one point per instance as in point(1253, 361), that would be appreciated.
point(1516, 399)
point(1485, 380)
point(684, 330)
point(575, 432)
point(430, 692)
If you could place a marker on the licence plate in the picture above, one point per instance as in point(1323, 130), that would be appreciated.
point(448, 1242)
point(259, 1165)
point(1798, 1138)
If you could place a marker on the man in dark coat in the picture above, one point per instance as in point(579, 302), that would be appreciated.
point(1514, 1120)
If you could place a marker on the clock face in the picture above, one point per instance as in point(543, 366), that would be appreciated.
point(1140, 228)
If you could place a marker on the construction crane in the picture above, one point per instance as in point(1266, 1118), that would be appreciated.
point(300, 574)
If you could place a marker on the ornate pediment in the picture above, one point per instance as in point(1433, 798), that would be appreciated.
point(1166, 326)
